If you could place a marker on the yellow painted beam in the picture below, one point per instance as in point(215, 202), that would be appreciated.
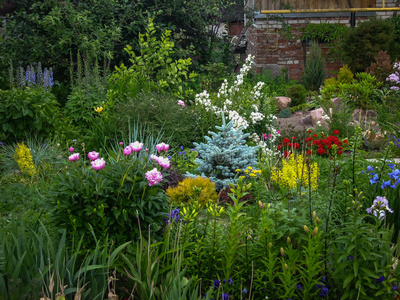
point(288, 11)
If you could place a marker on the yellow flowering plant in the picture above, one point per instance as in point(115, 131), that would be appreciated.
point(24, 159)
point(296, 172)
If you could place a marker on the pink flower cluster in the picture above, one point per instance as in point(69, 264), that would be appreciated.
point(93, 155)
point(181, 103)
point(153, 176)
point(162, 161)
point(98, 164)
point(133, 147)
point(74, 157)
point(162, 147)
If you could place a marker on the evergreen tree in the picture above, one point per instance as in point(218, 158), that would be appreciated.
point(314, 69)
point(223, 154)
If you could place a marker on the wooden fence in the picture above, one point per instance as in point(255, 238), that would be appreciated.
point(313, 4)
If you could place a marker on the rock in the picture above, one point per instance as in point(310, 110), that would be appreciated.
point(306, 120)
point(374, 140)
point(316, 115)
point(282, 102)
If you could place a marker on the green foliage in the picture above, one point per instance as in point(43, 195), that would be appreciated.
point(360, 45)
point(360, 91)
point(345, 75)
point(107, 200)
point(197, 189)
point(159, 112)
point(34, 259)
point(224, 153)
point(24, 111)
point(297, 93)
point(324, 32)
point(286, 113)
point(89, 91)
point(155, 64)
point(314, 69)
point(362, 254)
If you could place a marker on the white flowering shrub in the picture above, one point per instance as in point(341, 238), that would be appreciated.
point(249, 107)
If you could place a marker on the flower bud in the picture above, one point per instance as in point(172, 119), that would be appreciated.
point(269, 205)
point(315, 231)
point(286, 267)
point(270, 245)
point(288, 240)
point(306, 229)
point(261, 204)
point(314, 214)
point(317, 220)
point(282, 252)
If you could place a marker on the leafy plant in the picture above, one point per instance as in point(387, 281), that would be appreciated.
point(24, 111)
point(108, 199)
point(155, 64)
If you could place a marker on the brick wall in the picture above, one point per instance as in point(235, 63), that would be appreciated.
point(274, 51)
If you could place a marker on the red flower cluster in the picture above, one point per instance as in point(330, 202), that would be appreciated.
point(288, 146)
point(323, 146)
point(315, 144)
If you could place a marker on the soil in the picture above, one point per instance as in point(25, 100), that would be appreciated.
point(293, 122)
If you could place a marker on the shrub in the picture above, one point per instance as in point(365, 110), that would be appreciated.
point(223, 154)
point(27, 110)
point(285, 113)
point(345, 75)
point(192, 189)
point(297, 93)
point(109, 200)
point(314, 69)
point(361, 44)
point(382, 67)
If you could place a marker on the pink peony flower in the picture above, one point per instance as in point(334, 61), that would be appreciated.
point(136, 146)
point(71, 149)
point(98, 164)
point(146, 150)
point(162, 147)
point(181, 103)
point(93, 155)
point(162, 161)
point(127, 150)
point(153, 176)
point(121, 143)
point(73, 157)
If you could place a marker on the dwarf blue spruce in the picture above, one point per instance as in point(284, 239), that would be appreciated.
point(224, 152)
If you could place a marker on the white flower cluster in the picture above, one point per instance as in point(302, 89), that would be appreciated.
point(256, 92)
point(204, 99)
point(223, 90)
point(238, 121)
point(326, 117)
point(256, 116)
point(243, 72)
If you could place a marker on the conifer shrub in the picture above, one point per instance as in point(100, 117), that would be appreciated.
point(297, 93)
point(314, 69)
point(345, 75)
point(223, 154)
point(190, 189)
point(382, 67)
point(360, 45)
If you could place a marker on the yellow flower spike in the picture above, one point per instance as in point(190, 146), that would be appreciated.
point(238, 170)
point(98, 109)
point(252, 175)
point(250, 168)
point(246, 171)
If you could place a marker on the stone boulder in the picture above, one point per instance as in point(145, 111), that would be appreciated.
point(316, 116)
point(282, 102)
